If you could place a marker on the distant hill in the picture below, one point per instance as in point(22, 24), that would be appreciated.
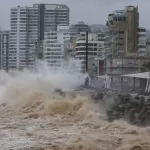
point(98, 27)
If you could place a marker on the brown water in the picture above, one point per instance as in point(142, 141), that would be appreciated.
point(32, 117)
point(40, 122)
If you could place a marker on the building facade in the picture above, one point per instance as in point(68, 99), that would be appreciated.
point(148, 47)
point(28, 28)
point(126, 23)
point(77, 28)
point(24, 34)
point(142, 42)
point(68, 49)
point(52, 15)
point(95, 47)
point(54, 46)
point(4, 49)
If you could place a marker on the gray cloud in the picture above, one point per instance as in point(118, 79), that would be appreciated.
point(90, 11)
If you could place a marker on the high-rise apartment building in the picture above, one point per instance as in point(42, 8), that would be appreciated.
point(132, 28)
point(125, 23)
point(54, 46)
point(4, 49)
point(28, 26)
point(24, 33)
point(52, 15)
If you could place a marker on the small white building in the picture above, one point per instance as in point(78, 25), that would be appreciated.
point(142, 42)
point(54, 46)
point(95, 47)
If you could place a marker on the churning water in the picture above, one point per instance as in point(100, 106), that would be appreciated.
point(32, 117)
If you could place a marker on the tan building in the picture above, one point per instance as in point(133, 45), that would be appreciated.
point(126, 22)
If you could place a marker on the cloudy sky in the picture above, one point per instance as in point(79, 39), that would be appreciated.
point(89, 11)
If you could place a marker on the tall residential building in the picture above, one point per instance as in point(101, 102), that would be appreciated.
point(28, 28)
point(52, 15)
point(24, 33)
point(4, 49)
point(126, 22)
point(54, 46)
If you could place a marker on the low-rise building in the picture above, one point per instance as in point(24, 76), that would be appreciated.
point(95, 47)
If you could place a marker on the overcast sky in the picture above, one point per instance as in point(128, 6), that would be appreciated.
point(89, 11)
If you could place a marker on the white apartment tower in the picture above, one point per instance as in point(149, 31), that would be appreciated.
point(4, 49)
point(23, 36)
point(54, 46)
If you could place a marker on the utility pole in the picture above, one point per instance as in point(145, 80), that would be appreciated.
point(86, 61)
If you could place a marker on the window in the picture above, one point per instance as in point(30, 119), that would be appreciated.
point(13, 28)
point(142, 35)
point(23, 18)
point(121, 32)
point(13, 33)
point(22, 13)
point(142, 46)
point(23, 22)
point(13, 18)
point(14, 13)
point(121, 44)
point(22, 30)
point(13, 21)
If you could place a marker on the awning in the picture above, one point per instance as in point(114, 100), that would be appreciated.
point(144, 75)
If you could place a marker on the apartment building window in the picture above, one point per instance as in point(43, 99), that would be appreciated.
point(142, 46)
point(121, 38)
point(13, 27)
point(22, 30)
point(142, 30)
point(13, 22)
point(23, 13)
point(14, 13)
point(13, 19)
point(13, 16)
point(121, 32)
point(121, 44)
point(13, 33)
point(23, 21)
point(142, 35)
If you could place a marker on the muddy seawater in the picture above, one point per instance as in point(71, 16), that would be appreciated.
point(33, 117)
